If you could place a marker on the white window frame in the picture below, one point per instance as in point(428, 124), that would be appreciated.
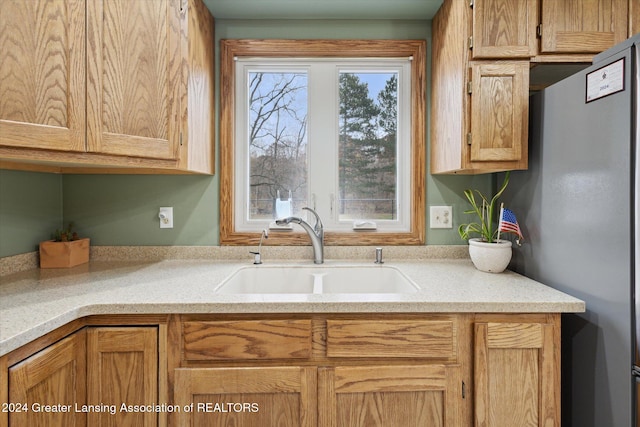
point(323, 126)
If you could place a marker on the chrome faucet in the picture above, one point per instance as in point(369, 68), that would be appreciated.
point(316, 233)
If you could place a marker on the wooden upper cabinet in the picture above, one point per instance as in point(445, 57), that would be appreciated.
point(634, 17)
point(579, 26)
point(42, 74)
point(107, 85)
point(500, 112)
point(133, 72)
point(54, 376)
point(504, 28)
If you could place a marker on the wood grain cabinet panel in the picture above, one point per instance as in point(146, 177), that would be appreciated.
point(248, 397)
point(42, 74)
point(517, 374)
point(391, 338)
point(247, 339)
point(133, 98)
point(122, 367)
point(634, 17)
point(500, 112)
point(504, 28)
point(55, 376)
point(390, 396)
point(579, 26)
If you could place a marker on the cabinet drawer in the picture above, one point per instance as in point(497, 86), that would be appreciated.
point(246, 339)
point(391, 338)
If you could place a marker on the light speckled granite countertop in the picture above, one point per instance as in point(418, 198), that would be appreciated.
point(34, 302)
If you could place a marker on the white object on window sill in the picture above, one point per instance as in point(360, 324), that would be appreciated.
point(285, 227)
point(364, 225)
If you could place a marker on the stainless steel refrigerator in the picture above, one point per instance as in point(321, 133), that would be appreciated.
point(578, 208)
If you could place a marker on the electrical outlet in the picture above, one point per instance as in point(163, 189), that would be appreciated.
point(166, 217)
point(440, 217)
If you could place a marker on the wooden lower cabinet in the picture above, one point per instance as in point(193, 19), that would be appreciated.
point(247, 397)
point(53, 379)
point(369, 370)
point(322, 370)
point(122, 369)
point(354, 396)
point(85, 378)
point(517, 373)
point(390, 396)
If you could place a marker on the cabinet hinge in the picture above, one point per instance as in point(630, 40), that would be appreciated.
point(469, 88)
point(539, 30)
point(464, 391)
point(469, 138)
point(470, 3)
point(181, 139)
point(470, 42)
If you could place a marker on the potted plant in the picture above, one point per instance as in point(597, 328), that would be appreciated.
point(487, 251)
point(66, 249)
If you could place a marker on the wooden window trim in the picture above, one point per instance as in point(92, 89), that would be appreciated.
point(231, 49)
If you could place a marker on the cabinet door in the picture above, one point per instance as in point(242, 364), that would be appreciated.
point(42, 74)
point(634, 17)
point(122, 367)
point(248, 397)
point(581, 26)
point(134, 85)
point(390, 396)
point(516, 374)
point(504, 28)
point(500, 112)
point(55, 376)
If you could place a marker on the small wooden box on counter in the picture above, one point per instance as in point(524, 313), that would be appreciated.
point(64, 254)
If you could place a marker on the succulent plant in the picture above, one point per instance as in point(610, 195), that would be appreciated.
point(65, 235)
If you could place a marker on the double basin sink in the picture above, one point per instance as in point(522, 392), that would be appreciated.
point(263, 279)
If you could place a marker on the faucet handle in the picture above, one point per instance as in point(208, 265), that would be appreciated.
point(379, 256)
point(318, 225)
point(256, 257)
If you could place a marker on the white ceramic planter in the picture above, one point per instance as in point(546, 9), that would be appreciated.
point(490, 257)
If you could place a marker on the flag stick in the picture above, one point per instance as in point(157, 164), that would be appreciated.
point(483, 209)
point(500, 220)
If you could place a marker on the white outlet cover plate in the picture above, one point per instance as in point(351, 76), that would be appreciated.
point(440, 217)
point(168, 222)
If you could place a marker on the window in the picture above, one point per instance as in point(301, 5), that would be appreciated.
point(335, 125)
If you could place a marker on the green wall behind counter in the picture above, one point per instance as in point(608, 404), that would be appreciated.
point(30, 210)
point(123, 209)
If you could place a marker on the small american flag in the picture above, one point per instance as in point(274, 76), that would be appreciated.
point(509, 224)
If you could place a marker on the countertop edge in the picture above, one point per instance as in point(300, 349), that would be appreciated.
point(37, 302)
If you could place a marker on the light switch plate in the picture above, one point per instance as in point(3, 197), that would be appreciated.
point(440, 217)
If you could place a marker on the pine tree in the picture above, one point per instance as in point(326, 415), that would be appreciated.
point(388, 121)
point(358, 147)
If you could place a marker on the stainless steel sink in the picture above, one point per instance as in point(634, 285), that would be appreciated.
point(324, 279)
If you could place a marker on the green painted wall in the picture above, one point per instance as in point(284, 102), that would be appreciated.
point(122, 209)
point(30, 210)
